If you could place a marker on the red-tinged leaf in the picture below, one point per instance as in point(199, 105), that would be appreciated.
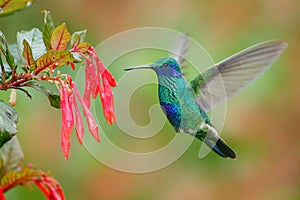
point(34, 37)
point(48, 28)
point(27, 54)
point(10, 6)
point(60, 37)
point(51, 58)
point(14, 178)
point(82, 47)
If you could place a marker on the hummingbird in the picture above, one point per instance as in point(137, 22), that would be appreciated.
point(186, 102)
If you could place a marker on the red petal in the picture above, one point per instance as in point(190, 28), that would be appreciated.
point(72, 65)
point(88, 85)
point(2, 197)
point(67, 117)
point(95, 82)
point(66, 108)
point(91, 82)
point(108, 103)
point(93, 127)
point(43, 188)
point(79, 122)
point(110, 78)
point(50, 187)
point(100, 65)
point(65, 143)
point(53, 193)
point(54, 186)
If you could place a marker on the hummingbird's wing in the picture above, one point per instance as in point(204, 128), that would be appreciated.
point(180, 50)
point(232, 75)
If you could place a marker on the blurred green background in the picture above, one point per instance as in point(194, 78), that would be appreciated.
point(261, 123)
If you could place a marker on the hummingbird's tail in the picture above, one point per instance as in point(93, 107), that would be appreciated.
point(222, 149)
point(213, 141)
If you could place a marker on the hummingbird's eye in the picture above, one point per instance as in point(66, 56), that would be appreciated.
point(165, 65)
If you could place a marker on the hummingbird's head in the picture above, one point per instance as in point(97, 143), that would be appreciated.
point(164, 66)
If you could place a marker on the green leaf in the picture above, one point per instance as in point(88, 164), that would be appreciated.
point(10, 6)
point(54, 58)
point(5, 51)
point(2, 41)
point(2, 44)
point(27, 54)
point(34, 37)
point(48, 28)
point(60, 37)
point(14, 52)
point(78, 36)
point(12, 155)
point(7, 69)
point(54, 100)
point(9, 58)
point(8, 123)
point(3, 62)
point(53, 97)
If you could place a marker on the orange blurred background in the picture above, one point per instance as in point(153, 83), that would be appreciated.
point(261, 123)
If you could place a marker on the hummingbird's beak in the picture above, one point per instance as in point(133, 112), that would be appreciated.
point(138, 67)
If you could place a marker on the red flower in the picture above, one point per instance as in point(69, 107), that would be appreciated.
point(50, 187)
point(68, 102)
point(95, 73)
point(98, 82)
point(27, 175)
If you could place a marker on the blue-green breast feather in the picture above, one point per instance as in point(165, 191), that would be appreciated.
point(170, 105)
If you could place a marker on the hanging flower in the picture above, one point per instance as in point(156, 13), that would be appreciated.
point(27, 176)
point(49, 186)
point(95, 74)
point(99, 82)
point(69, 95)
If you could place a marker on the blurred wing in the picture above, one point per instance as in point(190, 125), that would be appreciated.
point(231, 76)
point(180, 49)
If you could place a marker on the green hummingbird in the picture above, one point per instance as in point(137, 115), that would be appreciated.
point(185, 102)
